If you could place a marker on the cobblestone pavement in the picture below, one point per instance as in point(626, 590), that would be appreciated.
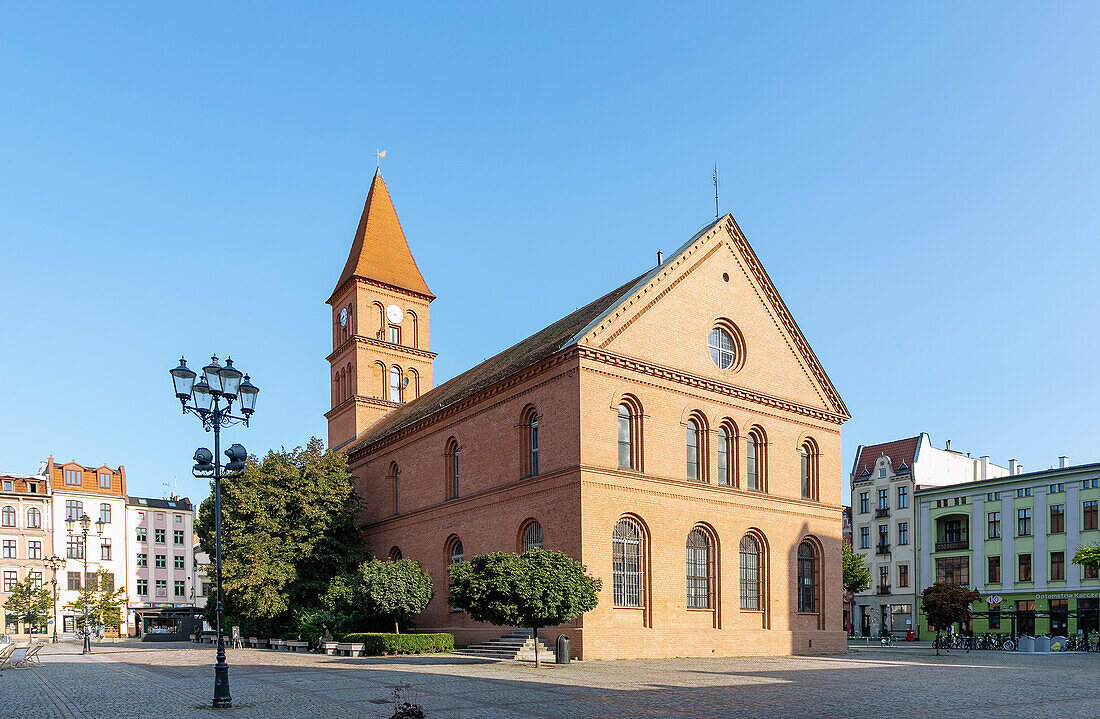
point(176, 680)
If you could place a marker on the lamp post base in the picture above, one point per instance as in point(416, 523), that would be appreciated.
point(222, 699)
point(87, 645)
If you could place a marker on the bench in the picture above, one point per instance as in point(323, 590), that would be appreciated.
point(351, 650)
point(278, 644)
point(293, 646)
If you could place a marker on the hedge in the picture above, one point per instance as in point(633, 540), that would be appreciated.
point(378, 643)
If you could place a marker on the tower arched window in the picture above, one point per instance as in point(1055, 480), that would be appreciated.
point(630, 434)
point(750, 573)
point(451, 456)
point(531, 430)
point(700, 570)
point(808, 581)
point(532, 536)
point(395, 384)
point(756, 461)
point(725, 466)
point(626, 564)
point(414, 328)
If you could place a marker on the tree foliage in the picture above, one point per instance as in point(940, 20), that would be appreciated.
point(536, 589)
point(393, 590)
point(105, 602)
point(1088, 556)
point(946, 604)
point(288, 527)
point(28, 603)
point(857, 575)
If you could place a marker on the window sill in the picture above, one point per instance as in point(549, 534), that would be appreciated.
point(709, 610)
point(619, 606)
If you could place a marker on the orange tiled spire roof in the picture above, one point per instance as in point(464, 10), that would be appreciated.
point(380, 251)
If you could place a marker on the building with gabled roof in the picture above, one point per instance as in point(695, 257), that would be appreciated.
point(884, 479)
point(681, 415)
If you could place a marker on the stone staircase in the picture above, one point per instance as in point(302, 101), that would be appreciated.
point(517, 646)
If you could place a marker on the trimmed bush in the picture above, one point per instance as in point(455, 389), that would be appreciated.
point(379, 644)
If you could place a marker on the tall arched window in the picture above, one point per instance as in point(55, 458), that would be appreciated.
point(626, 437)
point(395, 384)
point(750, 573)
point(380, 313)
point(395, 480)
point(414, 382)
point(808, 452)
point(756, 460)
point(532, 536)
point(724, 464)
point(751, 480)
point(807, 578)
point(626, 564)
point(7, 517)
point(349, 382)
point(395, 554)
point(700, 570)
point(451, 453)
point(693, 450)
point(34, 518)
point(456, 552)
point(414, 325)
point(531, 441)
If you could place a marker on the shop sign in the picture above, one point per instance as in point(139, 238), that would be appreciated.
point(993, 599)
point(1065, 595)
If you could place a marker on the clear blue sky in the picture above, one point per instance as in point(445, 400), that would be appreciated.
point(921, 183)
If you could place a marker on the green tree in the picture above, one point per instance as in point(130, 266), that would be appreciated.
point(857, 575)
point(396, 590)
point(536, 589)
point(1088, 557)
point(28, 603)
point(288, 528)
point(946, 604)
point(105, 601)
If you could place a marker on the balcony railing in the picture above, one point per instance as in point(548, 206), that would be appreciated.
point(953, 545)
point(882, 512)
point(884, 589)
point(882, 549)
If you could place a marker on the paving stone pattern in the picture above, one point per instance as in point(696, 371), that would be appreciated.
point(176, 681)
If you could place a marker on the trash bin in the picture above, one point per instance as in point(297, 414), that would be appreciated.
point(1042, 644)
point(561, 649)
point(909, 636)
point(1025, 644)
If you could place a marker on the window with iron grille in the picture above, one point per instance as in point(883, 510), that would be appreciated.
point(532, 537)
point(699, 572)
point(807, 578)
point(626, 564)
point(750, 573)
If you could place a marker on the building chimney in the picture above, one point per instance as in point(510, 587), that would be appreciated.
point(660, 258)
point(1012, 467)
point(948, 447)
point(1063, 462)
point(1019, 468)
point(985, 466)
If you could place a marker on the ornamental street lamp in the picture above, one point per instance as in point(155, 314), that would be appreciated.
point(55, 562)
point(85, 524)
point(216, 385)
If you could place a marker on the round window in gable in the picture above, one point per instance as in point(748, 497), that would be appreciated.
point(727, 348)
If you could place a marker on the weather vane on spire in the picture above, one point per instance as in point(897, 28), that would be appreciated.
point(714, 178)
point(378, 159)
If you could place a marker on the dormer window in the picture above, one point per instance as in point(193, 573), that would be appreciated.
point(72, 476)
point(104, 480)
point(8, 485)
point(882, 472)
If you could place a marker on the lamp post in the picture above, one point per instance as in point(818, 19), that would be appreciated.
point(217, 384)
point(85, 524)
point(55, 562)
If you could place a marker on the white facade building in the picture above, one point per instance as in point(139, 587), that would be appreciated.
point(884, 478)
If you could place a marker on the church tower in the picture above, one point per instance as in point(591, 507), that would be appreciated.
point(380, 351)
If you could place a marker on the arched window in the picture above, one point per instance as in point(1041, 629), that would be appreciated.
point(451, 453)
point(750, 573)
point(755, 461)
point(456, 552)
point(724, 468)
point(395, 480)
point(630, 434)
point(7, 517)
point(414, 325)
point(395, 554)
point(626, 564)
point(809, 470)
point(34, 518)
point(750, 462)
point(693, 450)
point(532, 536)
point(531, 441)
point(626, 453)
point(700, 570)
point(380, 313)
point(395, 384)
point(349, 381)
point(807, 578)
point(414, 382)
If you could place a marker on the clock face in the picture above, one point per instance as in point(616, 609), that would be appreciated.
point(344, 317)
point(394, 314)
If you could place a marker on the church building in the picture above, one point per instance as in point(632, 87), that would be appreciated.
point(677, 435)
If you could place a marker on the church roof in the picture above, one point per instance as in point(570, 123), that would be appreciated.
point(380, 251)
point(564, 333)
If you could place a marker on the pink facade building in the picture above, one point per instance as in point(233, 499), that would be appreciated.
point(159, 566)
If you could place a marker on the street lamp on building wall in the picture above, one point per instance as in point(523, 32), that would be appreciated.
point(55, 562)
point(218, 383)
point(85, 524)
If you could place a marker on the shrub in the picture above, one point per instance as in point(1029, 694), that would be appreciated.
point(379, 644)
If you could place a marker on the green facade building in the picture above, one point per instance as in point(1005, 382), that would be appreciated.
point(1013, 539)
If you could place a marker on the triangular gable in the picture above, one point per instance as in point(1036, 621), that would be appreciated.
point(814, 389)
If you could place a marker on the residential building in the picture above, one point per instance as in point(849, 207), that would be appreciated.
point(678, 436)
point(160, 559)
point(25, 538)
point(884, 479)
point(99, 493)
point(1013, 538)
point(846, 535)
